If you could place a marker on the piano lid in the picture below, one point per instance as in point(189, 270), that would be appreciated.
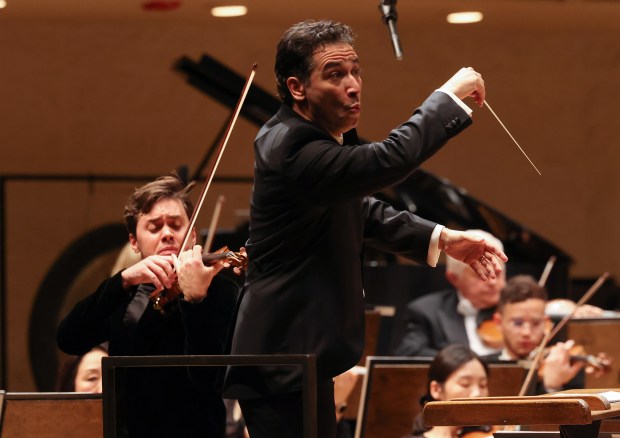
point(437, 199)
point(423, 193)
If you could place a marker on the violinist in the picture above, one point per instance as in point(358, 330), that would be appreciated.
point(522, 322)
point(169, 401)
point(453, 316)
point(456, 372)
point(311, 215)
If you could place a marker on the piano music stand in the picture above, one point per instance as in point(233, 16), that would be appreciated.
point(578, 414)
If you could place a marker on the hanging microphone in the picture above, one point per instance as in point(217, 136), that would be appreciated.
point(389, 17)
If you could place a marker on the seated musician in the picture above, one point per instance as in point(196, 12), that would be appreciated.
point(456, 372)
point(160, 401)
point(439, 319)
point(522, 321)
point(82, 373)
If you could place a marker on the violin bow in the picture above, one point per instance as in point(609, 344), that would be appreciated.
point(222, 147)
point(543, 344)
point(156, 296)
point(593, 289)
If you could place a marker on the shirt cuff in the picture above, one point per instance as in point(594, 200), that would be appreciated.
point(433, 247)
point(459, 102)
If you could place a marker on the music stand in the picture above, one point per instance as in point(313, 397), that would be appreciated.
point(111, 364)
point(578, 414)
point(393, 386)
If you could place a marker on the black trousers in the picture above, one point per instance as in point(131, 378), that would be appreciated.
point(281, 415)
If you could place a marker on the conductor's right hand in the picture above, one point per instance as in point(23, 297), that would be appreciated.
point(467, 82)
point(156, 269)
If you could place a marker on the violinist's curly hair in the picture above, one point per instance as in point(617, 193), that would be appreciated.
point(521, 288)
point(298, 44)
point(144, 198)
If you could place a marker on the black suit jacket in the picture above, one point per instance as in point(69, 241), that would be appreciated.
point(310, 216)
point(159, 402)
point(432, 323)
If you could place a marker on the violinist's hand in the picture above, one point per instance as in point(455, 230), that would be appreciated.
point(605, 361)
point(467, 83)
point(156, 269)
point(473, 250)
point(193, 276)
point(558, 369)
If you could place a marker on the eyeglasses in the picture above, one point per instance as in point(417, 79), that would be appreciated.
point(521, 323)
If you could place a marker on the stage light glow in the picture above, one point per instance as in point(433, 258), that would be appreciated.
point(464, 17)
point(229, 11)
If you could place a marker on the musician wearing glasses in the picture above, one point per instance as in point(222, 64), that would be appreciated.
point(522, 321)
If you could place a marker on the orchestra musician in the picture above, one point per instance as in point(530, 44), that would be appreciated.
point(522, 321)
point(311, 214)
point(455, 372)
point(160, 402)
point(83, 373)
point(452, 316)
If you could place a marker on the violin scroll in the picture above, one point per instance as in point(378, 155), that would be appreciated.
point(235, 259)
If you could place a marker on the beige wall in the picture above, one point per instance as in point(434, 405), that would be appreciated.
point(98, 96)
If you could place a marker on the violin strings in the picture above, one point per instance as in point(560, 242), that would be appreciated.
point(486, 102)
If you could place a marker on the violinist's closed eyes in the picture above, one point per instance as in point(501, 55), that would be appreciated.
point(456, 372)
point(160, 401)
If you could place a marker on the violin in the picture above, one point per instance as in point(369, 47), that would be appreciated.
point(237, 260)
point(490, 334)
point(599, 364)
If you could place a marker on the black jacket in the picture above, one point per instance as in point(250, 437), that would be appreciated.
point(310, 216)
point(159, 402)
point(432, 322)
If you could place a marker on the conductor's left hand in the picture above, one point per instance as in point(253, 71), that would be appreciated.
point(482, 256)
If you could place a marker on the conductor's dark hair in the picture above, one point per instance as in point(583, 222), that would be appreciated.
point(297, 47)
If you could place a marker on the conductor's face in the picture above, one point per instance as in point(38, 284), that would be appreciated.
point(161, 230)
point(331, 97)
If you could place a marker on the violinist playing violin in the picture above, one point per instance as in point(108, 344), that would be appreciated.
point(160, 402)
point(522, 322)
point(312, 213)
